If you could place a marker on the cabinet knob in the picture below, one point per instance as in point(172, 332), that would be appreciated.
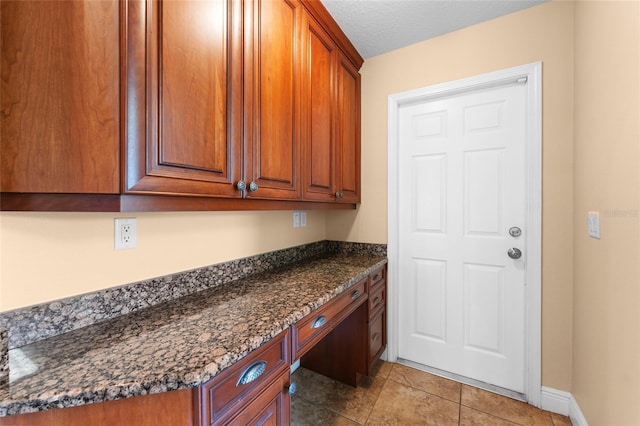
point(339, 195)
point(253, 187)
point(241, 185)
point(291, 389)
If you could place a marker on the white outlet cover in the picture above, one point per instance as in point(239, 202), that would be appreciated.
point(126, 233)
point(296, 219)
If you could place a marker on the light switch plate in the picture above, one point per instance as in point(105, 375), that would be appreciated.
point(593, 224)
point(296, 219)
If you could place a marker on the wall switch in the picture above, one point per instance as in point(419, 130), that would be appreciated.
point(126, 233)
point(296, 219)
point(593, 224)
point(303, 219)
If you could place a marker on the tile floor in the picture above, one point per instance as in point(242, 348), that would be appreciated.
point(400, 395)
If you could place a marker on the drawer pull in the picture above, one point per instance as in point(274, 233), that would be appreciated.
point(376, 337)
point(252, 372)
point(319, 322)
point(355, 295)
point(291, 389)
point(376, 301)
point(376, 277)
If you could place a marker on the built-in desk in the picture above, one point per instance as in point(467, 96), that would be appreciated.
point(164, 364)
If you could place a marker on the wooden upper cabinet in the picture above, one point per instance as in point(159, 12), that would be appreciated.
point(272, 98)
point(60, 120)
point(319, 106)
point(331, 101)
point(184, 116)
point(348, 144)
point(146, 105)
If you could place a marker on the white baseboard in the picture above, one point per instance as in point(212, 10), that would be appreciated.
point(555, 401)
point(577, 418)
point(562, 402)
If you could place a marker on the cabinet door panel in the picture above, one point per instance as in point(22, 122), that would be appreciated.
point(193, 131)
point(349, 132)
point(319, 113)
point(273, 152)
point(60, 99)
point(184, 97)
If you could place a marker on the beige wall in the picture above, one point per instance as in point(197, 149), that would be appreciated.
point(543, 33)
point(48, 256)
point(606, 362)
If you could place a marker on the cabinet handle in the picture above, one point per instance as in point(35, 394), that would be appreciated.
point(253, 187)
point(319, 322)
point(376, 277)
point(355, 294)
point(339, 195)
point(252, 372)
point(376, 337)
point(291, 389)
point(376, 301)
point(241, 185)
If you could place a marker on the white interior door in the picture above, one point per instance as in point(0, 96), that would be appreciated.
point(461, 183)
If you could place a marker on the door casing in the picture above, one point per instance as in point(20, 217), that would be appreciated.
point(533, 251)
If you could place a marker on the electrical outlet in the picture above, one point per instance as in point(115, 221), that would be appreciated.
point(296, 219)
point(303, 219)
point(126, 235)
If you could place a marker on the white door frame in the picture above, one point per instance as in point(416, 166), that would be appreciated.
point(533, 175)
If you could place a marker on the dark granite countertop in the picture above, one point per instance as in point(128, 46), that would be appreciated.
point(177, 344)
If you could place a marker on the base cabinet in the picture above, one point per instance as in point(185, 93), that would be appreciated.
point(377, 317)
point(343, 340)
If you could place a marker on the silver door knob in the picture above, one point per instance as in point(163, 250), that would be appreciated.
point(514, 253)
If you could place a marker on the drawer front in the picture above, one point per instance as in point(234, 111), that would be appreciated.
point(244, 379)
point(377, 276)
point(377, 336)
point(270, 408)
point(377, 299)
point(318, 323)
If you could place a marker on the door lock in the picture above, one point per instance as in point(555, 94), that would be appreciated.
point(514, 231)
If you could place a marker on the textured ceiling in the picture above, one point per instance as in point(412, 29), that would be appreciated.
point(379, 26)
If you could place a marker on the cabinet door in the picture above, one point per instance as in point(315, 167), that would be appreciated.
point(272, 113)
point(184, 97)
point(319, 109)
point(60, 119)
point(348, 151)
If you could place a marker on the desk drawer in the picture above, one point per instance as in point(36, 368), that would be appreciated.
point(244, 380)
point(377, 298)
point(311, 328)
point(377, 276)
point(377, 337)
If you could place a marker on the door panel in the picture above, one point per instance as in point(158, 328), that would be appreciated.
point(60, 120)
point(183, 97)
point(273, 117)
point(319, 106)
point(461, 184)
point(193, 86)
point(348, 132)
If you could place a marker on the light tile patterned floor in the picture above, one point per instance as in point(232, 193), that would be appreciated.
point(400, 395)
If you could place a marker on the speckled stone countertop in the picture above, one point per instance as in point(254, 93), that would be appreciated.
point(177, 344)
